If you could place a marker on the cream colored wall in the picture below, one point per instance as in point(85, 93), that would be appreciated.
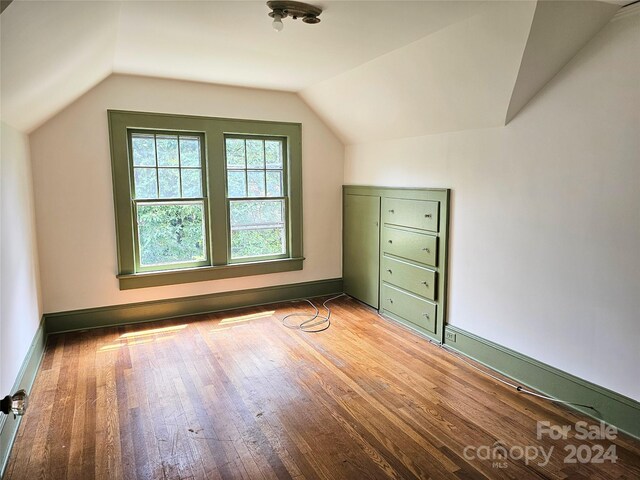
point(20, 305)
point(545, 225)
point(74, 199)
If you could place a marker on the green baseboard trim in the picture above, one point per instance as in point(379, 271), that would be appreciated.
point(180, 307)
point(613, 408)
point(26, 376)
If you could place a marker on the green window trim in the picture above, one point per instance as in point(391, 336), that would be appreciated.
point(188, 275)
point(213, 131)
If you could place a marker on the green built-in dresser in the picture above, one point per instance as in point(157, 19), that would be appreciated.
point(395, 253)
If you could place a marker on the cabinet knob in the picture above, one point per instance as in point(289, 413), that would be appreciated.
point(426, 250)
point(425, 284)
point(389, 270)
point(427, 215)
point(426, 315)
point(391, 211)
point(390, 300)
point(390, 241)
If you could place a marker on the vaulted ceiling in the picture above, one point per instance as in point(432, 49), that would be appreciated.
point(371, 69)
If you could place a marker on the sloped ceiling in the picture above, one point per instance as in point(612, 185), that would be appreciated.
point(50, 54)
point(461, 77)
point(458, 78)
point(371, 69)
point(561, 27)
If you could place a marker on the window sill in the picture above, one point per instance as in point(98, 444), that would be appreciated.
point(200, 274)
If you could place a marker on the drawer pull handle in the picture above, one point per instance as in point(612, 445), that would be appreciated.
point(427, 215)
point(426, 250)
point(426, 315)
point(425, 284)
point(390, 300)
point(390, 241)
point(391, 211)
point(389, 270)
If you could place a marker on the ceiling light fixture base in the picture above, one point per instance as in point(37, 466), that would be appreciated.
point(283, 8)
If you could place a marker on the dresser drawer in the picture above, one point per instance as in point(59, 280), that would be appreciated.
point(413, 309)
point(418, 247)
point(418, 280)
point(421, 214)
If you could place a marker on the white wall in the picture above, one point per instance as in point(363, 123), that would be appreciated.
point(20, 305)
point(545, 227)
point(74, 198)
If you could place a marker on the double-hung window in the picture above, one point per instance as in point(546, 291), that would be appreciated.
point(168, 200)
point(257, 197)
point(200, 198)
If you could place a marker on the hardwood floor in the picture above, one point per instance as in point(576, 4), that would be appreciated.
point(237, 395)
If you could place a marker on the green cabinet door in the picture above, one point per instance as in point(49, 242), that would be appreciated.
point(361, 247)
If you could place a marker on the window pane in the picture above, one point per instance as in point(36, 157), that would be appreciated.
point(255, 184)
point(189, 151)
point(257, 228)
point(274, 184)
point(169, 182)
point(145, 183)
point(255, 154)
point(237, 185)
point(191, 183)
point(257, 242)
point(167, 150)
point(235, 153)
point(256, 212)
point(144, 150)
point(273, 150)
point(171, 233)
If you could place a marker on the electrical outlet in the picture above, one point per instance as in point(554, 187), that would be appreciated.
point(450, 336)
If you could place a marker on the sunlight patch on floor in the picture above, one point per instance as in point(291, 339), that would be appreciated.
point(246, 318)
point(154, 331)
